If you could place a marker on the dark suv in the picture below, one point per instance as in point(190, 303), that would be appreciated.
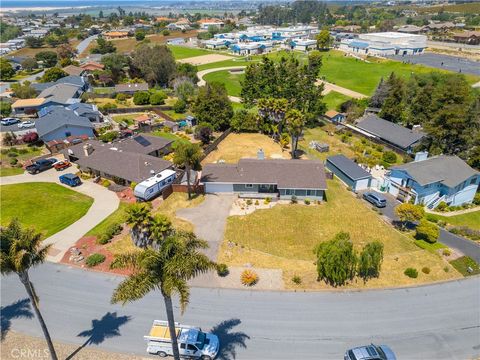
point(375, 199)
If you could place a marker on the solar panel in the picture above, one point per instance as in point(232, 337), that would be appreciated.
point(142, 141)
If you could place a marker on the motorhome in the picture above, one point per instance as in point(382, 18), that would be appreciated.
point(192, 341)
point(154, 185)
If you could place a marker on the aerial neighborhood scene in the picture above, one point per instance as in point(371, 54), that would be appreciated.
point(240, 179)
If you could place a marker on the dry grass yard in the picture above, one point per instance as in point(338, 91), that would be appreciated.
point(284, 236)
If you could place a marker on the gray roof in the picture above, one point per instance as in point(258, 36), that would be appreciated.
point(57, 117)
point(286, 174)
point(125, 165)
point(142, 144)
point(82, 109)
point(69, 80)
point(393, 133)
point(131, 87)
point(449, 170)
point(60, 93)
point(348, 167)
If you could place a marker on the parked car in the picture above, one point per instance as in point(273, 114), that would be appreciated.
point(62, 165)
point(26, 124)
point(370, 352)
point(9, 121)
point(70, 180)
point(376, 199)
point(40, 165)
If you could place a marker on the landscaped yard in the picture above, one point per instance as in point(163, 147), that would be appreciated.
point(117, 217)
point(472, 219)
point(175, 202)
point(284, 237)
point(21, 154)
point(169, 136)
point(237, 146)
point(183, 52)
point(126, 118)
point(46, 206)
point(334, 99)
point(231, 81)
point(9, 171)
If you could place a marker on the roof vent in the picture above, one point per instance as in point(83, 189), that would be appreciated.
point(152, 172)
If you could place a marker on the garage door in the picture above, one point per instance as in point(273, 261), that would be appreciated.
point(362, 184)
point(218, 188)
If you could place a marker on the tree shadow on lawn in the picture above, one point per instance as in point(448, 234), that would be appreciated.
point(107, 327)
point(16, 310)
point(229, 341)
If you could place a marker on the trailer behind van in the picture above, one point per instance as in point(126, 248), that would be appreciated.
point(193, 343)
point(153, 186)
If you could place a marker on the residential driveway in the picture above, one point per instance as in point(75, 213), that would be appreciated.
point(209, 219)
point(466, 246)
point(104, 203)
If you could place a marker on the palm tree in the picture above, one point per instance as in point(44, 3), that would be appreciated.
point(160, 227)
point(295, 123)
point(20, 250)
point(188, 155)
point(167, 269)
point(139, 218)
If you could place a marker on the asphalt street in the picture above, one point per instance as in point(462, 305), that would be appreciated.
point(432, 322)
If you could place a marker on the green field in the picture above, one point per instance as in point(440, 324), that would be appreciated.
point(231, 81)
point(334, 99)
point(183, 52)
point(8, 171)
point(169, 136)
point(46, 206)
point(472, 219)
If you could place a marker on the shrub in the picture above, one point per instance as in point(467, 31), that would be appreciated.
point(267, 201)
point(102, 240)
point(256, 202)
point(249, 202)
point(426, 270)
point(13, 161)
point(109, 136)
point(465, 231)
point(132, 185)
point(95, 259)
point(389, 157)
point(297, 280)
point(222, 270)
point(85, 176)
point(165, 32)
point(141, 98)
point(427, 231)
point(446, 252)
point(411, 273)
point(306, 201)
point(158, 98)
point(106, 183)
point(446, 269)
point(30, 137)
point(370, 260)
point(107, 106)
point(442, 206)
point(180, 106)
point(476, 199)
point(293, 199)
point(110, 232)
point(23, 151)
point(249, 278)
point(121, 97)
point(12, 154)
point(188, 131)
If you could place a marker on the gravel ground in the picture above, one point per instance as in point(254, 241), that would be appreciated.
point(19, 346)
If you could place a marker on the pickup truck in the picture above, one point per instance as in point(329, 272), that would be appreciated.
point(61, 165)
point(40, 165)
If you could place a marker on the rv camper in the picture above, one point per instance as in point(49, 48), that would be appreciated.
point(153, 186)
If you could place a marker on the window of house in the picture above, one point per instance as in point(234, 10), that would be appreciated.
point(68, 133)
point(249, 185)
point(288, 192)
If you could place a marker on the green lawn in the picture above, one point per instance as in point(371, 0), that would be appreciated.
point(430, 247)
point(183, 52)
point(8, 171)
point(169, 136)
point(46, 206)
point(231, 81)
point(334, 99)
point(174, 115)
point(472, 220)
point(463, 263)
point(103, 90)
point(118, 216)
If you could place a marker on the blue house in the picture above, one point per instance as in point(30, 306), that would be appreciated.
point(429, 181)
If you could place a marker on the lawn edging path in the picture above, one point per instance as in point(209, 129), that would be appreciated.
point(105, 202)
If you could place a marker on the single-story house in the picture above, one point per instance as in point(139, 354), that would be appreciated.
point(206, 23)
point(92, 66)
point(74, 70)
point(62, 94)
point(391, 134)
point(267, 178)
point(79, 81)
point(113, 162)
point(303, 44)
point(468, 37)
point(429, 181)
point(131, 88)
point(349, 172)
point(145, 144)
point(115, 35)
point(58, 123)
point(27, 106)
point(335, 117)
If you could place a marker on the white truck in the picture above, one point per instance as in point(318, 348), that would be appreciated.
point(193, 343)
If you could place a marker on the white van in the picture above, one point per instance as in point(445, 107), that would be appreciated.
point(154, 185)
point(193, 343)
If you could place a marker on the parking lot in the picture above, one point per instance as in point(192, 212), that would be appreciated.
point(16, 129)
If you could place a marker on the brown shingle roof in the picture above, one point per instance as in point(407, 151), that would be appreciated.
point(286, 174)
point(73, 70)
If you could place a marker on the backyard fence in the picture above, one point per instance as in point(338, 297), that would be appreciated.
point(137, 109)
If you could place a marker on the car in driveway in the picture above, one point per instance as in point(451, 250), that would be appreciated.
point(370, 352)
point(62, 165)
point(71, 180)
point(9, 121)
point(26, 124)
point(375, 199)
point(40, 165)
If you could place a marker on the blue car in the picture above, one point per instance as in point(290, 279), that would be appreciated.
point(70, 180)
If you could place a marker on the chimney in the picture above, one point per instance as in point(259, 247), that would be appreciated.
point(87, 149)
point(421, 155)
point(260, 154)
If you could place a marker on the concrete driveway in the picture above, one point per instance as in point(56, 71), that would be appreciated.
point(209, 219)
point(467, 247)
point(104, 203)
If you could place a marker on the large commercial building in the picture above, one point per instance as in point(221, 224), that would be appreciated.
point(386, 43)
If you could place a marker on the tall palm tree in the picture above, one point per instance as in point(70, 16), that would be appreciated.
point(20, 250)
point(189, 156)
point(295, 122)
point(139, 218)
point(160, 227)
point(168, 269)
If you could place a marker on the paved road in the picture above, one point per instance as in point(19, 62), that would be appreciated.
point(105, 202)
point(84, 44)
point(466, 246)
point(15, 129)
point(432, 322)
point(440, 61)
